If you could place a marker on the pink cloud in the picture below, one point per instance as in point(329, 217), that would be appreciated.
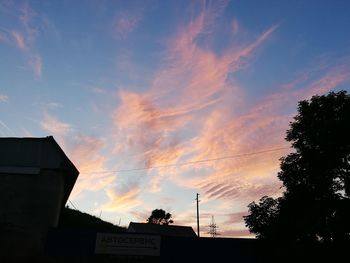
point(141, 216)
point(26, 17)
point(3, 98)
point(3, 37)
point(19, 40)
point(235, 26)
point(85, 153)
point(126, 22)
point(262, 127)
point(195, 81)
point(242, 233)
point(234, 218)
point(194, 111)
point(53, 105)
point(122, 201)
point(55, 126)
point(24, 37)
point(35, 62)
point(98, 90)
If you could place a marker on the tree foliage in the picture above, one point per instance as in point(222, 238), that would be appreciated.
point(316, 177)
point(160, 217)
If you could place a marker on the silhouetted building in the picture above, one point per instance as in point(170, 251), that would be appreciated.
point(36, 179)
point(162, 230)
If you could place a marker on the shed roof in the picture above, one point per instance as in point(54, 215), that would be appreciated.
point(37, 153)
point(163, 230)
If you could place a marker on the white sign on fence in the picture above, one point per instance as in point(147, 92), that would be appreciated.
point(127, 244)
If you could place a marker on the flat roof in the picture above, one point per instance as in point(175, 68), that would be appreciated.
point(164, 230)
point(42, 153)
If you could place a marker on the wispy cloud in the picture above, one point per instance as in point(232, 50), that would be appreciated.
point(98, 90)
point(141, 216)
point(192, 83)
point(234, 218)
point(122, 200)
point(85, 152)
point(24, 37)
point(35, 63)
point(3, 37)
point(243, 233)
point(3, 98)
point(235, 26)
point(26, 15)
point(55, 126)
point(126, 22)
point(263, 126)
point(19, 40)
point(46, 106)
point(195, 110)
point(53, 105)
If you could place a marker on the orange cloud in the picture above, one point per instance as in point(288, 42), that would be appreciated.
point(121, 201)
point(194, 110)
point(85, 153)
point(141, 216)
point(192, 83)
point(262, 127)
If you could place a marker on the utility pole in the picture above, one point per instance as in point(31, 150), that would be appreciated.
point(197, 199)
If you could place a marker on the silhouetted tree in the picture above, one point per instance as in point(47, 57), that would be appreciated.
point(316, 177)
point(160, 217)
point(262, 216)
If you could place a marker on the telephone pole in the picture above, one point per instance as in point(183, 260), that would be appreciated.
point(197, 199)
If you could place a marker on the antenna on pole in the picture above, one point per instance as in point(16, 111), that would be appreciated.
point(197, 199)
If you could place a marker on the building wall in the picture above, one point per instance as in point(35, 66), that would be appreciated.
point(29, 205)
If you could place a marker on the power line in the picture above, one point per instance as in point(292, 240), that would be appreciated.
point(193, 162)
point(72, 204)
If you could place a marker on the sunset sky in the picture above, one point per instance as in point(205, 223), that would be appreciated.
point(202, 91)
